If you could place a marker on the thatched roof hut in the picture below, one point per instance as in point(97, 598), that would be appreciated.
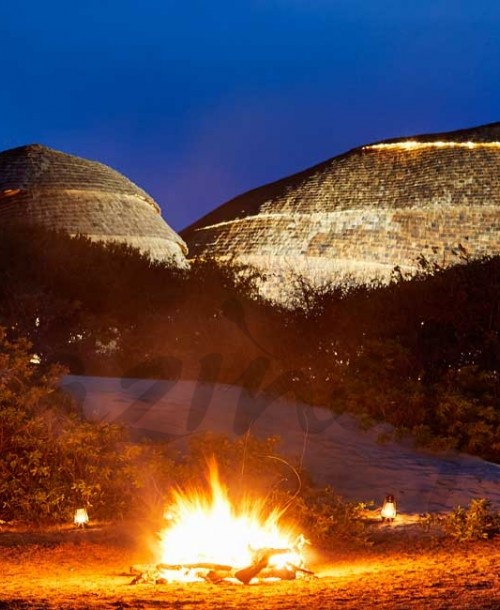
point(368, 211)
point(44, 187)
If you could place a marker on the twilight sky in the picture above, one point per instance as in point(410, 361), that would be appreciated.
point(197, 101)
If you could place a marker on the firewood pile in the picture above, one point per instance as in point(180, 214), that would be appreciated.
point(261, 568)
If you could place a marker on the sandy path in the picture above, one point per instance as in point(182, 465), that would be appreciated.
point(333, 447)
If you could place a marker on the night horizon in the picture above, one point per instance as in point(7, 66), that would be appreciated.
point(198, 105)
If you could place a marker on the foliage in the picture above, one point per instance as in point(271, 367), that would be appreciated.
point(326, 518)
point(422, 354)
point(478, 521)
point(244, 462)
point(52, 461)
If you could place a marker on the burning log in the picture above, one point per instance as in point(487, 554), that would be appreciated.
point(148, 575)
point(278, 574)
point(302, 570)
point(215, 573)
point(195, 566)
point(218, 576)
point(262, 557)
point(246, 574)
point(212, 572)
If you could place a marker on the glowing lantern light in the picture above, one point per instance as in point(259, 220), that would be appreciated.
point(388, 512)
point(81, 517)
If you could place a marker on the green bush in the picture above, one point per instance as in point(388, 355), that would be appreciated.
point(53, 461)
point(326, 519)
point(478, 521)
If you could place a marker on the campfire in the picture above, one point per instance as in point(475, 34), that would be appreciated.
point(209, 538)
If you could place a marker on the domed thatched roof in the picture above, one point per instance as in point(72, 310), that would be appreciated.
point(45, 187)
point(365, 212)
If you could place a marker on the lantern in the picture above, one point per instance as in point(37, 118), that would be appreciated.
point(81, 517)
point(388, 512)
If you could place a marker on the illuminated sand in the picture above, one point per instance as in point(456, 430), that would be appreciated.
point(92, 573)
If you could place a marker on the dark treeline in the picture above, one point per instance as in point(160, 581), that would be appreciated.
point(421, 354)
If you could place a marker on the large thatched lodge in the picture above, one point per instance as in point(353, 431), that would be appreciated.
point(358, 217)
point(44, 187)
point(361, 215)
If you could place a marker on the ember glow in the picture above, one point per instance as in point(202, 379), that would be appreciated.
point(205, 530)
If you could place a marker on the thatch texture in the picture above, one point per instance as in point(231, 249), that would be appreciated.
point(367, 211)
point(44, 187)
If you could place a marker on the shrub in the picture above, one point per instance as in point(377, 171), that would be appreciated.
point(326, 518)
point(51, 459)
point(478, 521)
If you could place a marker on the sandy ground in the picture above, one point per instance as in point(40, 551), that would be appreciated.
point(333, 448)
point(403, 569)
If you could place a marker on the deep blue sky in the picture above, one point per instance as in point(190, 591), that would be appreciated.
point(197, 101)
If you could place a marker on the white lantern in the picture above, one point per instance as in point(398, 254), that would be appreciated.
point(81, 517)
point(388, 512)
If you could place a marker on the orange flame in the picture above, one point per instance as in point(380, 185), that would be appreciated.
point(206, 528)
